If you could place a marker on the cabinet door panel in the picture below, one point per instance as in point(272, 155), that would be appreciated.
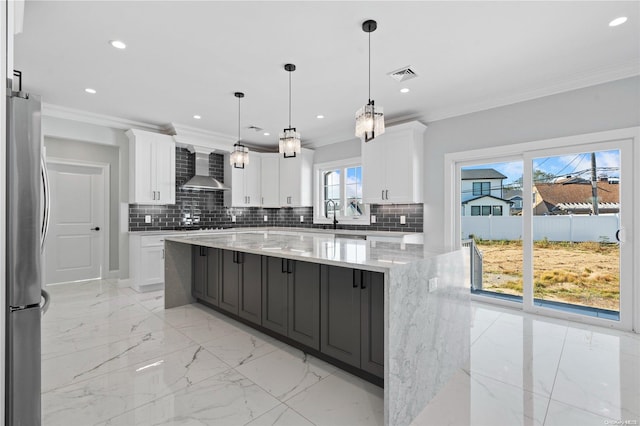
point(340, 304)
point(165, 176)
point(238, 198)
point(252, 187)
point(374, 170)
point(250, 306)
point(304, 303)
point(212, 287)
point(270, 180)
point(399, 177)
point(199, 272)
point(372, 323)
point(274, 294)
point(229, 282)
point(152, 263)
point(142, 186)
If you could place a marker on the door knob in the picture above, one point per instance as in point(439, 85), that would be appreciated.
point(97, 228)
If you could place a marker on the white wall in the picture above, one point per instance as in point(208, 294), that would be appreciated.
point(91, 141)
point(603, 107)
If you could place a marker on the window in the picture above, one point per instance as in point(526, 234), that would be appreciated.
point(475, 210)
point(339, 192)
point(486, 210)
point(497, 210)
point(481, 188)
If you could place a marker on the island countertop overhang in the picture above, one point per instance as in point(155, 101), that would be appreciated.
point(367, 255)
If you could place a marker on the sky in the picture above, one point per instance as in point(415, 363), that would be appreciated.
point(607, 162)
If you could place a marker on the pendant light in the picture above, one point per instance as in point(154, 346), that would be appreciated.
point(240, 155)
point(369, 118)
point(290, 138)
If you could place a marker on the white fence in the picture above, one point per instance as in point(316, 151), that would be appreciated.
point(554, 228)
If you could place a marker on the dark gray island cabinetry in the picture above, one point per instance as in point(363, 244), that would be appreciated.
point(395, 314)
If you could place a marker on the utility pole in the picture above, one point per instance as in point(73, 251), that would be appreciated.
point(594, 184)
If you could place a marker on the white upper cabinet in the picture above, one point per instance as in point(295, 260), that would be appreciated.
point(296, 180)
point(392, 165)
point(245, 183)
point(270, 180)
point(152, 168)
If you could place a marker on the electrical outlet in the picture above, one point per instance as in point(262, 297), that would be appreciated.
point(266, 218)
point(403, 220)
point(373, 218)
point(433, 284)
point(301, 219)
point(147, 218)
point(233, 218)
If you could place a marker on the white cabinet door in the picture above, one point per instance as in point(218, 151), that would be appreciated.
point(374, 170)
point(165, 171)
point(289, 181)
point(270, 180)
point(252, 188)
point(399, 172)
point(140, 190)
point(238, 198)
point(152, 265)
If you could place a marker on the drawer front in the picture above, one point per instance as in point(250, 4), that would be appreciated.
point(152, 240)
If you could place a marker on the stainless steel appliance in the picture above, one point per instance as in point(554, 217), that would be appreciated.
point(26, 227)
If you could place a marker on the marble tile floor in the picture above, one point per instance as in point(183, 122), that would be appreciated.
point(112, 356)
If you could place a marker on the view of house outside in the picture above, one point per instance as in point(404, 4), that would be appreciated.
point(576, 257)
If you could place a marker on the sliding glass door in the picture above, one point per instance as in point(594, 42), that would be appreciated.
point(546, 230)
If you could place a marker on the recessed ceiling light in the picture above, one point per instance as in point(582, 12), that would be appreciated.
point(197, 117)
point(404, 90)
point(618, 21)
point(266, 133)
point(320, 116)
point(117, 44)
point(90, 90)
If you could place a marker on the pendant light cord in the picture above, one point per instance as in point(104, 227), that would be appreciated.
point(239, 120)
point(289, 99)
point(369, 67)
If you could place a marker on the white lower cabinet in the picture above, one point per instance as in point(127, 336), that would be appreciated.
point(146, 262)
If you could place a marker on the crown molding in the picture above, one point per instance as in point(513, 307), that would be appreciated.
point(577, 81)
point(57, 111)
point(195, 139)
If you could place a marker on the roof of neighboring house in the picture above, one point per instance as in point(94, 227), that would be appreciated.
point(576, 194)
point(481, 174)
point(487, 196)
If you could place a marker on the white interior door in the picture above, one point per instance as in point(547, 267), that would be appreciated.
point(74, 247)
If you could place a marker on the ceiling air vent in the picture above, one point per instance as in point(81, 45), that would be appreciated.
point(403, 74)
point(256, 128)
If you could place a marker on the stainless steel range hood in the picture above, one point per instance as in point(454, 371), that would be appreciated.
point(202, 181)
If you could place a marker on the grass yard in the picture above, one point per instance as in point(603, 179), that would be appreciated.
point(579, 273)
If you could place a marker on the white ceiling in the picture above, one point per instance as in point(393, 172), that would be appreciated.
point(185, 58)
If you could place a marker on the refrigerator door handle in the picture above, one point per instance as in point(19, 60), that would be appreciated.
point(47, 300)
point(47, 204)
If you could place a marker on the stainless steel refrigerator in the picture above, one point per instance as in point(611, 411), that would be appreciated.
point(26, 226)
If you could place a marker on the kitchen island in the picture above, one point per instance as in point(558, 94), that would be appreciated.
point(410, 306)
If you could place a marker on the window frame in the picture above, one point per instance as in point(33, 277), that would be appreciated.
point(318, 193)
point(482, 184)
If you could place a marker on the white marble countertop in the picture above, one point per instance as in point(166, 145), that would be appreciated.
point(313, 247)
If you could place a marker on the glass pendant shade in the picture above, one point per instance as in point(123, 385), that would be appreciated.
point(369, 122)
point(289, 142)
point(240, 156)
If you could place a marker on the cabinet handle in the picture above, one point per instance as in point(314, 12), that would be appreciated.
point(202, 251)
point(355, 278)
point(235, 257)
point(248, 199)
point(153, 194)
point(289, 266)
point(284, 269)
point(363, 286)
point(159, 198)
point(240, 257)
point(386, 196)
point(382, 195)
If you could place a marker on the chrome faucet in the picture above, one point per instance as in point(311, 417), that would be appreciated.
point(326, 211)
